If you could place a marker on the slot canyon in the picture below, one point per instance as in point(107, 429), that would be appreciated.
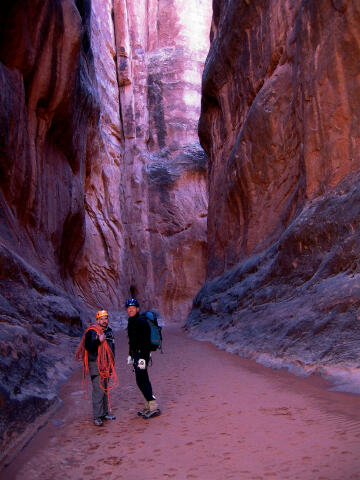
point(202, 156)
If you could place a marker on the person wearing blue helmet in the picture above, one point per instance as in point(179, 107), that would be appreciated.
point(139, 355)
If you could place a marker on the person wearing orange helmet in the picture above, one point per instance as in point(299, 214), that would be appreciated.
point(97, 351)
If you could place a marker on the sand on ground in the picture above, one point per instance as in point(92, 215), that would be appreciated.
point(223, 418)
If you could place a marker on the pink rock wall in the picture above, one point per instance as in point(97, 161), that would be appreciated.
point(279, 118)
point(39, 147)
point(162, 47)
point(146, 193)
point(98, 278)
point(49, 110)
point(280, 123)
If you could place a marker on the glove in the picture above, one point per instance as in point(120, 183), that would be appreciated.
point(141, 364)
point(129, 360)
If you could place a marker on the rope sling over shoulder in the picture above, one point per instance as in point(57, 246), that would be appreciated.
point(105, 363)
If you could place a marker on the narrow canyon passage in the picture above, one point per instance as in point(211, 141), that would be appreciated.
point(223, 418)
point(202, 156)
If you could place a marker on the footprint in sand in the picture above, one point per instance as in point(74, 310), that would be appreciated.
point(113, 461)
point(88, 470)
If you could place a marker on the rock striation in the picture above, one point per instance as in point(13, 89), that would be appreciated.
point(98, 277)
point(280, 124)
point(165, 211)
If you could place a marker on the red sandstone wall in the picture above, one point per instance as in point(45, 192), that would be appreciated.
point(99, 275)
point(279, 117)
point(49, 112)
point(280, 123)
point(162, 48)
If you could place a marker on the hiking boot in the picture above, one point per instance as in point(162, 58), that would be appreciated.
point(153, 411)
point(108, 416)
point(98, 422)
point(144, 411)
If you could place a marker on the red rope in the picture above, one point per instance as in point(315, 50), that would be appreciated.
point(105, 363)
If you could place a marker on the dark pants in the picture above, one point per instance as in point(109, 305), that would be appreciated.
point(99, 398)
point(143, 382)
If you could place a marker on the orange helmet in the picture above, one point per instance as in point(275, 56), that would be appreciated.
point(101, 313)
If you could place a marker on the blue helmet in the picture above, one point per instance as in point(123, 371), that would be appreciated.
point(131, 302)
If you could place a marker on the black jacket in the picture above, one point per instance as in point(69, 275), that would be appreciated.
point(139, 337)
point(92, 342)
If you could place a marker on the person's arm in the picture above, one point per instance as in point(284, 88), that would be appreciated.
point(144, 337)
point(130, 339)
point(92, 341)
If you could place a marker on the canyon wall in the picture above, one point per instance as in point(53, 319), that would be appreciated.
point(98, 277)
point(162, 46)
point(49, 111)
point(280, 124)
point(102, 180)
point(146, 192)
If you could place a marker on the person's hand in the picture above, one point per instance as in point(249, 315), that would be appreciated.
point(141, 364)
point(102, 337)
point(129, 360)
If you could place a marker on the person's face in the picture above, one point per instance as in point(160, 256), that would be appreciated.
point(132, 310)
point(103, 321)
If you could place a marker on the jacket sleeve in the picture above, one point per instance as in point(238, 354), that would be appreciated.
point(131, 340)
point(144, 336)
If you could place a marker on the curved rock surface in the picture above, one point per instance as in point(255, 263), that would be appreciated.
point(49, 107)
point(280, 124)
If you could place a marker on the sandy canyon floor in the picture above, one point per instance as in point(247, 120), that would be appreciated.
point(223, 418)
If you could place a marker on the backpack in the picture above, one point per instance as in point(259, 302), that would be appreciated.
point(155, 331)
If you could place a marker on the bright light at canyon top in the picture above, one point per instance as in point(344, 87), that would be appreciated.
point(194, 17)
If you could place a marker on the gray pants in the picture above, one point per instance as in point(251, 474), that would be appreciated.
point(99, 399)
